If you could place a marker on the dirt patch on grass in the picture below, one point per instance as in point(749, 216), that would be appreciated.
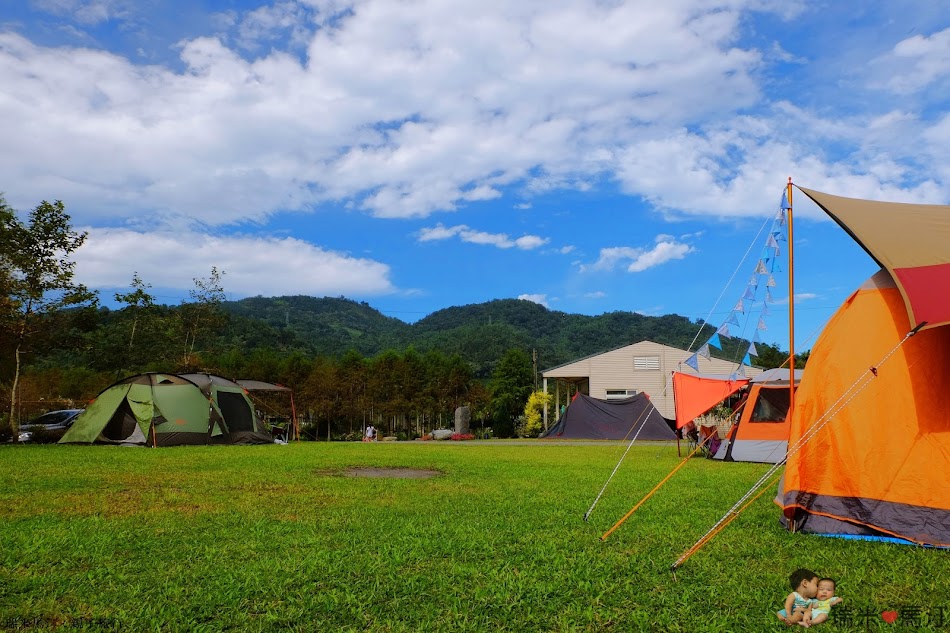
point(392, 473)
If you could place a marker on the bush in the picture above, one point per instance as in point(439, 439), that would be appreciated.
point(462, 436)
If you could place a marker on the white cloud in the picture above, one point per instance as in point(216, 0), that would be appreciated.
point(639, 259)
point(401, 109)
point(598, 294)
point(466, 234)
point(536, 298)
point(660, 254)
point(565, 250)
point(915, 63)
point(87, 12)
point(252, 265)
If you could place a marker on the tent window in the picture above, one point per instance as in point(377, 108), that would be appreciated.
point(646, 363)
point(770, 406)
point(237, 413)
point(620, 394)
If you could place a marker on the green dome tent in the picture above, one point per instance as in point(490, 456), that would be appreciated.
point(169, 410)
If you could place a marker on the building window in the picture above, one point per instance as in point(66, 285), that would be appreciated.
point(646, 363)
point(620, 394)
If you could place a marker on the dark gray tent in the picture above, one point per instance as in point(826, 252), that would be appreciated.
point(593, 419)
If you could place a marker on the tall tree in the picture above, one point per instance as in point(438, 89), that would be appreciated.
point(37, 275)
point(203, 315)
point(137, 302)
point(511, 384)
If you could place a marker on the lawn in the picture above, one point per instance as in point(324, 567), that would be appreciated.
point(280, 538)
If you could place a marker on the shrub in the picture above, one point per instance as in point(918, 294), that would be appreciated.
point(463, 436)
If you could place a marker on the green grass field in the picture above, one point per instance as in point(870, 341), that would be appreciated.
point(278, 538)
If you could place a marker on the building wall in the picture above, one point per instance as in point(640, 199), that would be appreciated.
point(615, 370)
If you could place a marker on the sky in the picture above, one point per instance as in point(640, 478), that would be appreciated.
point(417, 155)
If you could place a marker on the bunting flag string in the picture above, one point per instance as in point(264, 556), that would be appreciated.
point(693, 361)
point(767, 265)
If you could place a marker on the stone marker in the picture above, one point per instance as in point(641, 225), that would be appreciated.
point(463, 419)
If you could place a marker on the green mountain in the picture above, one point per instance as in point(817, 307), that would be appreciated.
point(479, 333)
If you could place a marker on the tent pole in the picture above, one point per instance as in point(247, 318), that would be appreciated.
point(791, 304)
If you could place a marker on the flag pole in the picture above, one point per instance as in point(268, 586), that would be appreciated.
point(791, 305)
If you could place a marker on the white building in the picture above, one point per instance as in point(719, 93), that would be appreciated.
point(626, 371)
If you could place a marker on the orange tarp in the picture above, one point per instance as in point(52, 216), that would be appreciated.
point(695, 395)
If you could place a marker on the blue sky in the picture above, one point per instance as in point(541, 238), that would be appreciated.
point(589, 156)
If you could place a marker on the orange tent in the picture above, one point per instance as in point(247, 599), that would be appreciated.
point(761, 434)
point(880, 464)
point(875, 405)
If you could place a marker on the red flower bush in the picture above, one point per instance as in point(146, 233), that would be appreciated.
point(463, 436)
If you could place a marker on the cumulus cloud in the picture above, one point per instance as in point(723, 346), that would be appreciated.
point(536, 298)
point(252, 265)
point(915, 63)
point(637, 260)
point(466, 234)
point(400, 109)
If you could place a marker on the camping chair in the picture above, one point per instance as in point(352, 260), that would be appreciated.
point(709, 438)
point(691, 435)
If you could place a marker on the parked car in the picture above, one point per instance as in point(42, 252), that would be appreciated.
point(49, 427)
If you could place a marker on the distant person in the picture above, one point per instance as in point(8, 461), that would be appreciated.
point(370, 433)
point(804, 583)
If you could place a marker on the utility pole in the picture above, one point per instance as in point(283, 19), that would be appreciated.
point(534, 360)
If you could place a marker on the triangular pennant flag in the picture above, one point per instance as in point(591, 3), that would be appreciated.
point(776, 267)
point(771, 282)
point(756, 337)
point(740, 306)
point(752, 350)
point(768, 296)
point(780, 218)
point(693, 361)
point(749, 292)
point(754, 280)
point(760, 268)
point(733, 319)
point(761, 324)
point(714, 341)
point(766, 255)
point(704, 351)
point(741, 372)
point(771, 243)
point(785, 204)
point(723, 329)
point(746, 360)
point(779, 236)
point(765, 310)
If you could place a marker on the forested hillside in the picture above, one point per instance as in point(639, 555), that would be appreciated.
point(479, 333)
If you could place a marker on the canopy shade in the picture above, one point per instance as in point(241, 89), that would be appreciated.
point(909, 240)
point(695, 395)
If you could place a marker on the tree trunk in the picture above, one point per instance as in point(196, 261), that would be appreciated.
point(14, 423)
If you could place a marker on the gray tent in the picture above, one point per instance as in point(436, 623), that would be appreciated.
point(593, 419)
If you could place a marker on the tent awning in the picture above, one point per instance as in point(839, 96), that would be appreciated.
point(909, 240)
point(695, 395)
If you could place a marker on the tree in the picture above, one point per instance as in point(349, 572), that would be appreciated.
point(511, 384)
point(138, 302)
point(37, 276)
point(534, 413)
point(203, 315)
